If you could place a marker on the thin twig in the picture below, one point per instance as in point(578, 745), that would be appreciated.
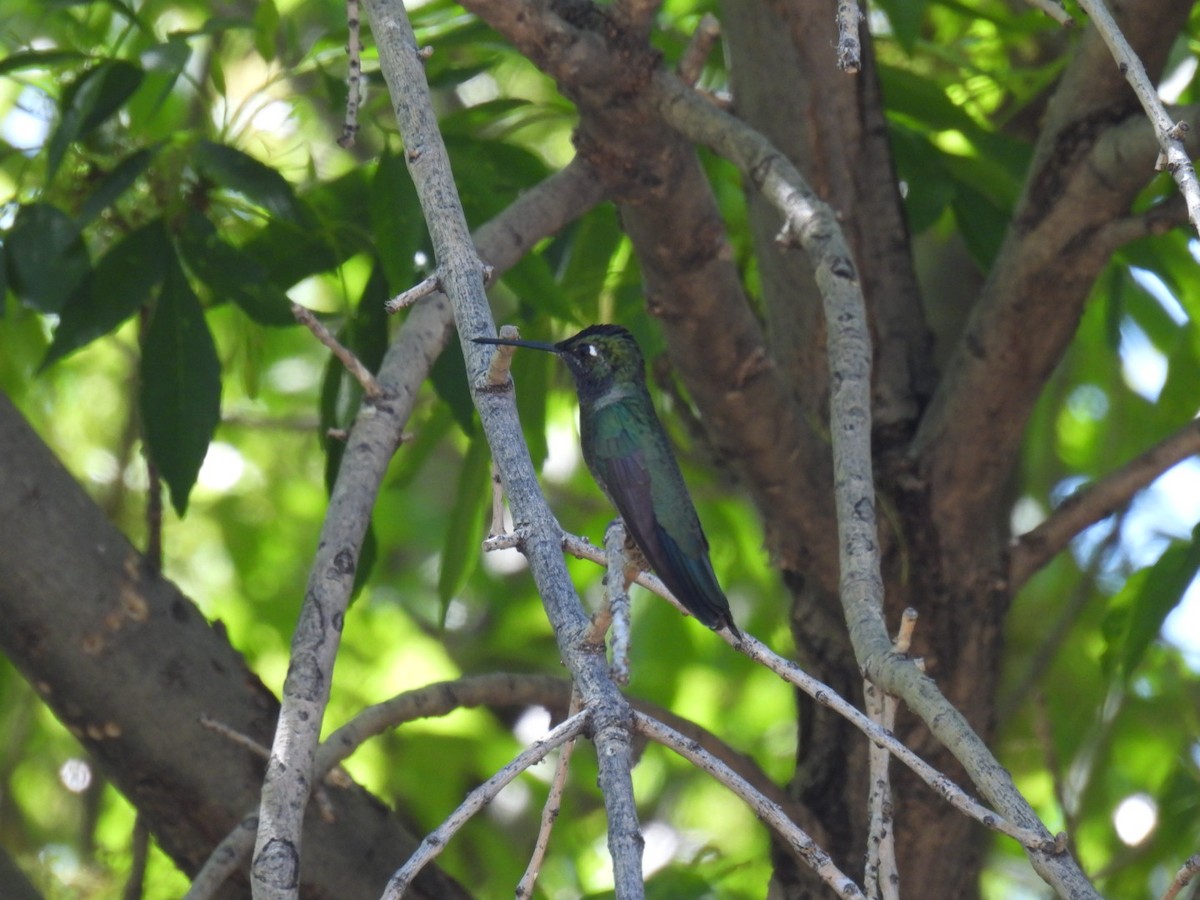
point(550, 811)
point(425, 287)
point(236, 737)
point(477, 799)
point(1055, 10)
point(882, 876)
point(136, 882)
point(1102, 498)
point(354, 79)
point(616, 587)
point(822, 693)
point(1174, 157)
point(704, 38)
point(943, 786)
point(407, 298)
point(352, 363)
point(849, 51)
point(1185, 874)
point(794, 836)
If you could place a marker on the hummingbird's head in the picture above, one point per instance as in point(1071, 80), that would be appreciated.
point(601, 356)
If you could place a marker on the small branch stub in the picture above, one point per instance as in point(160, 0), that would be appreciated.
point(501, 364)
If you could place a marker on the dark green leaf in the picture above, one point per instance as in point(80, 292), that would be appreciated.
point(333, 230)
point(905, 17)
point(449, 377)
point(46, 257)
point(982, 223)
point(39, 59)
point(242, 173)
point(531, 372)
point(123, 281)
point(460, 553)
point(232, 274)
point(115, 183)
point(180, 386)
point(396, 220)
point(89, 101)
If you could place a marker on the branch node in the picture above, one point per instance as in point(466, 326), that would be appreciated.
point(501, 364)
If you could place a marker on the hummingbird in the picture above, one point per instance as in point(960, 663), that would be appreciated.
point(627, 451)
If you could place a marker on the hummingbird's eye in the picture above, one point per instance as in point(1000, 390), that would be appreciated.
point(590, 349)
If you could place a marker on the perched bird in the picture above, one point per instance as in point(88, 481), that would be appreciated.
point(627, 452)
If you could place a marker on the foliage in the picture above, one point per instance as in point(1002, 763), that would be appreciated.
point(173, 184)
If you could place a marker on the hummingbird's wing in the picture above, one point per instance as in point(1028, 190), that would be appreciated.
point(636, 468)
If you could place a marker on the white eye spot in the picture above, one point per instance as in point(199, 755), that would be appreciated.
point(592, 351)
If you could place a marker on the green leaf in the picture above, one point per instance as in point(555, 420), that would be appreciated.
point(333, 230)
point(531, 373)
point(231, 273)
point(89, 101)
point(180, 386)
point(449, 377)
point(123, 281)
point(39, 59)
point(461, 551)
point(242, 173)
point(396, 221)
point(1137, 611)
point(905, 17)
point(46, 255)
point(266, 24)
point(116, 183)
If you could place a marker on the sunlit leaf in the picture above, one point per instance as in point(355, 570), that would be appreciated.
point(46, 256)
point(1138, 610)
point(266, 23)
point(180, 386)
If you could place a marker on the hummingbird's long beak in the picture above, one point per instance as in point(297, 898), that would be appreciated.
point(535, 345)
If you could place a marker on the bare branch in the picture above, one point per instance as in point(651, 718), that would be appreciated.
point(549, 811)
point(347, 358)
point(354, 79)
point(459, 270)
point(1102, 498)
point(1174, 157)
point(849, 51)
point(794, 836)
point(477, 799)
point(691, 64)
point(1183, 877)
point(1055, 10)
point(616, 583)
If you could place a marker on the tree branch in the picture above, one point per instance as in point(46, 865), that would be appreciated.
point(794, 836)
point(377, 430)
point(460, 274)
point(480, 797)
point(1102, 498)
point(1175, 157)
